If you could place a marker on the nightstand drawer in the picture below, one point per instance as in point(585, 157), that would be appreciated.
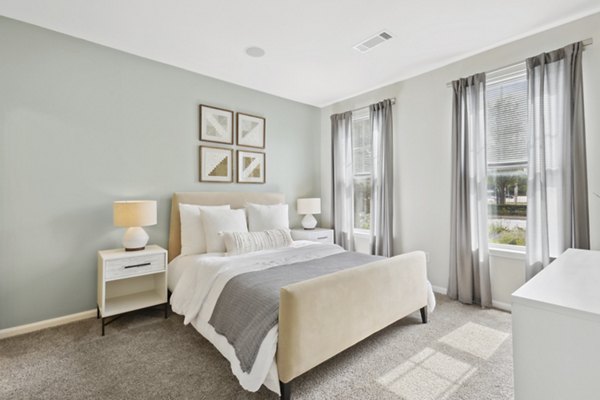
point(315, 235)
point(323, 237)
point(122, 268)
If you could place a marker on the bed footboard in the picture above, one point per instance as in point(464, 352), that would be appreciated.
point(321, 317)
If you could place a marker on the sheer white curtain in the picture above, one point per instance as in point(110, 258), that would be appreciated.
point(469, 280)
point(343, 184)
point(557, 196)
point(382, 178)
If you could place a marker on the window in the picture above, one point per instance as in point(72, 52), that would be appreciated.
point(506, 99)
point(362, 165)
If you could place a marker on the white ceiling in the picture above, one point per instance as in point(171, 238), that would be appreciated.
point(309, 55)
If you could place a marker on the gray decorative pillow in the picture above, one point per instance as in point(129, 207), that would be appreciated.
point(246, 242)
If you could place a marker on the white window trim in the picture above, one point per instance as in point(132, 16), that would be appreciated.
point(494, 78)
point(507, 251)
point(362, 233)
point(361, 114)
point(501, 75)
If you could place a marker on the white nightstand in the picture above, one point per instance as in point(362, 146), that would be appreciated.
point(320, 235)
point(131, 280)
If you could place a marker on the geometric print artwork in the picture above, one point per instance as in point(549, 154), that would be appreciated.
point(250, 131)
point(220, 169)
point(216, 164)
point(251, 167)
point(216, 125)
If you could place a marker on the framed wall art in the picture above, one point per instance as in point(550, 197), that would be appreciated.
point(216, 164)
point(250, 131)
point(250, 167)
point(216, 125)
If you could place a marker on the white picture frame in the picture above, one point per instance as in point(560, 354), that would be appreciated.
point(216, 124)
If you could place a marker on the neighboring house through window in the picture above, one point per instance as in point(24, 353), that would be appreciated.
point(506, 114)
point(362, 161)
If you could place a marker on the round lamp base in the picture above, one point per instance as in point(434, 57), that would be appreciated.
point(309, 222)
point(135, 239)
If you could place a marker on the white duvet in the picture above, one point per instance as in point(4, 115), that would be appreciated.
point(199, 280)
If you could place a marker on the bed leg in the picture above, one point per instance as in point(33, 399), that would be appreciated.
point(286, 390)
point(424, 314)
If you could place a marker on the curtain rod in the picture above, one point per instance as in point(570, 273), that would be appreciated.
point(586, 42)
point(393, 100)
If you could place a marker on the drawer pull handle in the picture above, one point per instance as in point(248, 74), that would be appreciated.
point(322, 237)
point(138, 265)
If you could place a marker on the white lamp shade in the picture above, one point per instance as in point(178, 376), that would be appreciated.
point(309, 206)
point(134, 213)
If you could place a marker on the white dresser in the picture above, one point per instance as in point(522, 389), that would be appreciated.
point(556, 330)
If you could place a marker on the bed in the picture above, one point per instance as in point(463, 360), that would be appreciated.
point(317, 315)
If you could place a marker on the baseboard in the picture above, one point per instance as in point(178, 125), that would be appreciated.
point(48, 323)
point(496, 304)
point(439, 289)
point(501, 305)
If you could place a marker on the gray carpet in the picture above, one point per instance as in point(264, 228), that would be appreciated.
point(463, 353)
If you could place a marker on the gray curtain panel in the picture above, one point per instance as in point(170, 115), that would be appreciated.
point(557, 193)
point(343, 185)
point(469, 255)
point(382, 178)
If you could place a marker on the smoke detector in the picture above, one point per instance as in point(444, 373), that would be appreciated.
point(255, 51)
point(373, 41)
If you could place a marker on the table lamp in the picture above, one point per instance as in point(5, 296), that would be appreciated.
point(309, 207)
point(134, 214)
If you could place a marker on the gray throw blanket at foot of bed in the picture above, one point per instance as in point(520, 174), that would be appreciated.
point(248, 306)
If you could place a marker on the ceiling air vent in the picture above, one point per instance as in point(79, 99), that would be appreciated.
point(373, 41)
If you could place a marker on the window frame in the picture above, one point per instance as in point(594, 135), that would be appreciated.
point(496, 77)
point(357, 115)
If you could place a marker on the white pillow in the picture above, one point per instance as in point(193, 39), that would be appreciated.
point(217, 221)
point(264, 217)
point(193, 240)
point(246, 242)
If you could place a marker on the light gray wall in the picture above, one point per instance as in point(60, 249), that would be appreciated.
point(82, 125)
point(422, 145)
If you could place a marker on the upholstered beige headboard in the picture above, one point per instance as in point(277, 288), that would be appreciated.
point(235, 199)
